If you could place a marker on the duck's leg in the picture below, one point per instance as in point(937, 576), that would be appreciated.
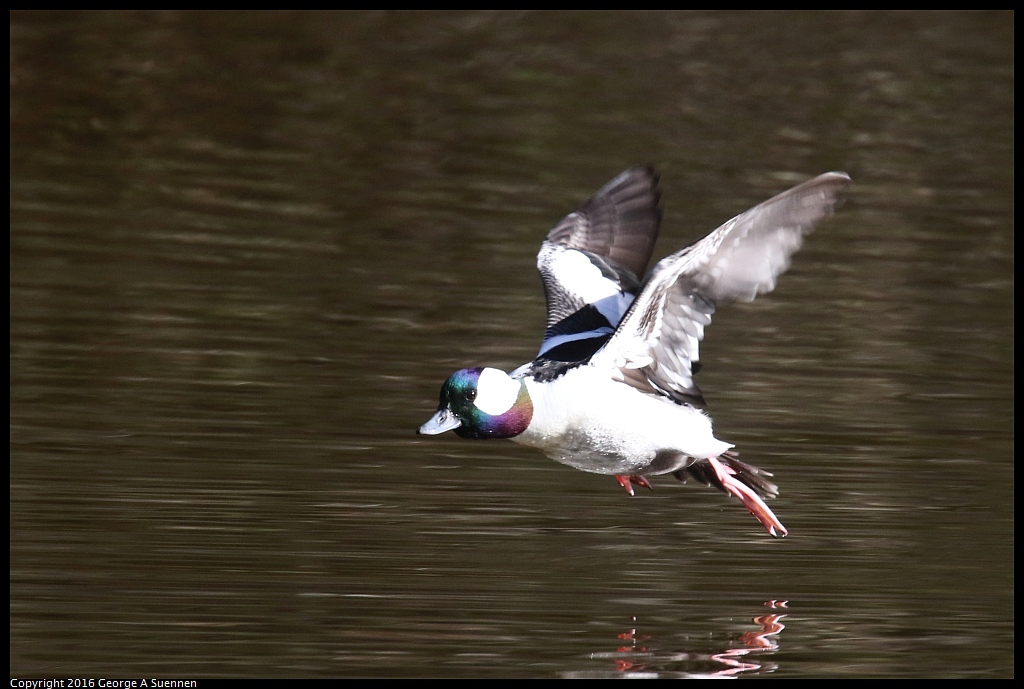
point(748, 497)
point(628, 481)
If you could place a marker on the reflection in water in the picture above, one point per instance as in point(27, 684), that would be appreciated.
point(764, 639)
point(638, 660)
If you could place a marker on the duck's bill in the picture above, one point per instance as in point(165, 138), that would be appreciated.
point(440, 422)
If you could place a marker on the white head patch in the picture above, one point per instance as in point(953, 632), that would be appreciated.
point(496, 392)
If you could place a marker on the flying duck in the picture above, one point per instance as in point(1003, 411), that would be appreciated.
point(611, 390)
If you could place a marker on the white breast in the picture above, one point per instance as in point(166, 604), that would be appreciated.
point(590, 422)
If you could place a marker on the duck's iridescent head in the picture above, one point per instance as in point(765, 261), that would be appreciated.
point(481, 403)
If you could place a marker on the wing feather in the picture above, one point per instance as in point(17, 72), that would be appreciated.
point(590, 261)
point(660, 335)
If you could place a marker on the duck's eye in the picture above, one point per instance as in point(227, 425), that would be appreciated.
point(471, 395)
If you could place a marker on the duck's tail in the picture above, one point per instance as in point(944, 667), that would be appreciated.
point(741, 480)
point(747, 473)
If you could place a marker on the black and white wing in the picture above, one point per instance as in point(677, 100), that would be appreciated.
point(657, 343)
point(590, 261)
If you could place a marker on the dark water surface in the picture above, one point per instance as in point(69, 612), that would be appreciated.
point(246, 249)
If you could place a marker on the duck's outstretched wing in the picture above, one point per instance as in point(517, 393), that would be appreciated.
point(590, 261)
point(657, 343)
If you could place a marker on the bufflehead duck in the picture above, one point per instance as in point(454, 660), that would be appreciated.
point(611, 390)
